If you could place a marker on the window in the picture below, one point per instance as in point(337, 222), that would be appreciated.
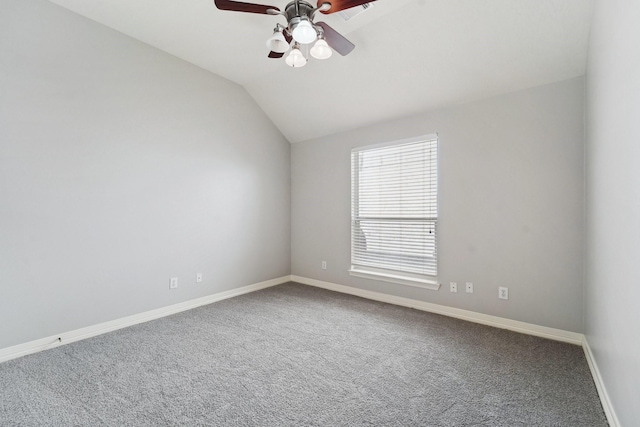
point(394, 211)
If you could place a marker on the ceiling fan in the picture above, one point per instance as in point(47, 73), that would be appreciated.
point(300, 29)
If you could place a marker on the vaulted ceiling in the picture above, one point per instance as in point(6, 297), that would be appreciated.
point(411, 56)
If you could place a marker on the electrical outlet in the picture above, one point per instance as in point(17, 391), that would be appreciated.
point(324, 265)
point(469, 287)
point(503, 293)
point(174, 283)
point(453, 286)
point(198, 277)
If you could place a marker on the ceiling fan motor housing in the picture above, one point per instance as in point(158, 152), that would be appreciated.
point(296, 11)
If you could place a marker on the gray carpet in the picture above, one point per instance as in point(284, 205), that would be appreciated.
point(294, 355)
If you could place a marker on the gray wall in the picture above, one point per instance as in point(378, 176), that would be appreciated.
point(120, 167)
point(511, 204)
point(613, 203)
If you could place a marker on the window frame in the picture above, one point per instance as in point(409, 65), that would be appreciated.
point(384, 274)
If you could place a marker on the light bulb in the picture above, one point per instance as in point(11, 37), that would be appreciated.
point(277, 43)
point(321, 50)
point(304, 32)
point(295, 58)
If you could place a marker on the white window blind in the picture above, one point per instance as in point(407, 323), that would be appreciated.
point(394, 208)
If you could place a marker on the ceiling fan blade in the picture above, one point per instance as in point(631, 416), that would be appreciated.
point(338, 5)
point(276, 55)
point(238, 6)
point(287, 36)
point(336, 40)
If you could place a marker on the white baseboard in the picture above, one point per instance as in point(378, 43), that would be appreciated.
point(612, 418)
point(102, 328)
point(499, 322)
point(471, 316)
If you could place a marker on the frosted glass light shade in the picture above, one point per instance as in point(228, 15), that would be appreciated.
point(277, 43)
point(321, 50)
point(295, 58)
point(304, 32)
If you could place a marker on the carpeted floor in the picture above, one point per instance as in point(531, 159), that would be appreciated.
point(294, 355)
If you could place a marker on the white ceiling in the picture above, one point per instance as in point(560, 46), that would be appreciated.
point(411, 56)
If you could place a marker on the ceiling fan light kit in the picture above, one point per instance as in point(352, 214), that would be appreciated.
point(277, 42)
point(300, 28)
point(304, 33)
point(295, 58)
point(321, 50)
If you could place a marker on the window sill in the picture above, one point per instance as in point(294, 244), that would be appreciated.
point(401, 280)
